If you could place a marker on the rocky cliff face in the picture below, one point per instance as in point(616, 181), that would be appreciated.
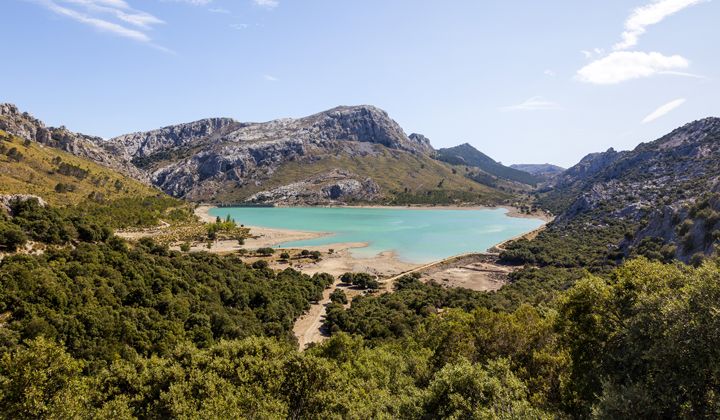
point(195, 160)
point(144, 144)
point(96, 149)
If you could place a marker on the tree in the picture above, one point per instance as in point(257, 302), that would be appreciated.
point(465, 390)
point(338, 296)
point(265, 252)
point(38, 381)
point(347, 278)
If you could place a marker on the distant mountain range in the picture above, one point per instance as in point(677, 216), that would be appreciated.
point(541, 169)
point(465, 154)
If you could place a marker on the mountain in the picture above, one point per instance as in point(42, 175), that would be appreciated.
point(346, 154)
point(539, 169)
point(465, 154)
point(667, 190)
point(339, 150)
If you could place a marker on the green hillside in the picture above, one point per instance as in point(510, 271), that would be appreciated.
point(58, 177)
point(403, 178)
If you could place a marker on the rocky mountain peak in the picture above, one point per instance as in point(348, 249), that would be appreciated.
point(143, 144)
point(365, 123)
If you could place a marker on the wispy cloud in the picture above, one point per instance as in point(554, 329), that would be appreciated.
point(270, 78)
point(663, 110)
point(219, 10)
point(535, 103)
point(649, 15)
point(239, 26)
point(621, 66)
point(268, 4)
point(549, 72)
point(112, 16)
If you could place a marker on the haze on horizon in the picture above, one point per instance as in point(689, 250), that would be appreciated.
point(523, 81)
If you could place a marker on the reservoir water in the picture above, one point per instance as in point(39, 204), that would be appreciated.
point(416, 235)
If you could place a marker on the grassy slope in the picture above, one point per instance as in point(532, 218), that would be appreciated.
point(392, 170)
point(36, 173)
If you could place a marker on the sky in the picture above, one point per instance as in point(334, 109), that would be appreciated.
point(524, 81)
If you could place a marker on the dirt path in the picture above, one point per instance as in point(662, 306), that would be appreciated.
point(308, 328)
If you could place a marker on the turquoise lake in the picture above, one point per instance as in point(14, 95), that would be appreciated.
point(416, 235)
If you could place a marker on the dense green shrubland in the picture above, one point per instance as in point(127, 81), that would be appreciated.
point(98, 327)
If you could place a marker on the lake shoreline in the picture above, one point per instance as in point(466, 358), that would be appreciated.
point(383, 264)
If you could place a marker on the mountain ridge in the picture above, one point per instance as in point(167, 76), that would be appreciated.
point(224, 160)
point(466, 154)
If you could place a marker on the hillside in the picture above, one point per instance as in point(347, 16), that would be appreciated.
point(27, 127)
point(665, 191)
point(467, 155)
point(60, 178)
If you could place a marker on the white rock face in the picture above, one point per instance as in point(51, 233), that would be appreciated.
point(334, 187)
point(195, 160)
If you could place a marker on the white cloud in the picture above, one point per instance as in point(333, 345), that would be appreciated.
point(535, 103)
point(239, 26)
point(270, 78)
point(219, 10)
point(621, 66)
point(268, 4)
point(663, 110)
point(111, 16)
point(549, 72)
point(648, 15)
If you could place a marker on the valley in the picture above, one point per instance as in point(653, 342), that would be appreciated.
point(379, 242)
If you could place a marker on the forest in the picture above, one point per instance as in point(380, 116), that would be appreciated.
point(98, 327)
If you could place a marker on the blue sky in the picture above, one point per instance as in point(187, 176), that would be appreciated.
point(522, 80)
